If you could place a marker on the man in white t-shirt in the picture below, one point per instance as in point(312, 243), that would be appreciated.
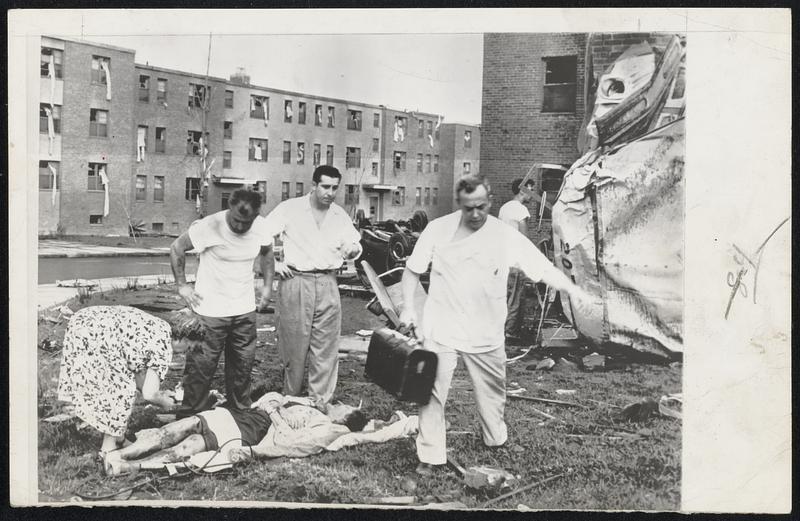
point(516, 214)
point(470, 253)
point(228, 243)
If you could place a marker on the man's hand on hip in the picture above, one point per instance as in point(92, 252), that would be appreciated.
point(283, 271)
point(189, 295)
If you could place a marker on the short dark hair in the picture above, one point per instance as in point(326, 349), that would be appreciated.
point(327, 170)
point(356, 421)
point(470, 182)
point(249, 197)
point(516, 183)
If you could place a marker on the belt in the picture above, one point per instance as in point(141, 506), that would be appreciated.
point(314, 272)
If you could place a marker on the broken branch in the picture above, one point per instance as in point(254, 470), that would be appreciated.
point(522, 489)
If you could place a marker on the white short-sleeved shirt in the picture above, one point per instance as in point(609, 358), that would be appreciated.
point(513, 212)
point(307, 246)
point(225, 274)
point(466, 306)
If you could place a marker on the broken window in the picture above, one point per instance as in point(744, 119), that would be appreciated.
point(419, 163)
point(259, 107)
point(192, 188)
point(52, 57)
point(467, 139)
point(158, 189)
point(49, 172)
point(226, 159)
point(329, 155)
point(427, 196)
point(467, 168)
point(98, 123)
point(228, 99)
point(350, 194)
point(287, 152)
point(94, 182)
point(399, 196)
point(301, 113)
point(161, 90)
point(560, 80)
point(427, 163)
point(436, 163)
point(144, 88)
point(331, 117)
point(399, 160)
point(317, 154)
point(141, 187)
point(298, 190)
point(354, 120)
point(318, 115)
point(197, 95)
point(227, 130)
point(376, 143)
point(288, 113)
point(193, 139)
point(418, 196)
point(100, 66)
point(55, 112)
point(161, 140)
point(257, 150)
point(435, 196)
point(352, 157)
point(284, 190)
point(96, 219)
point(376, 120)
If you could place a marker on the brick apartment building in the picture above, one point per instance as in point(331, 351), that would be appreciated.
point(533, 103)
point(168, 146)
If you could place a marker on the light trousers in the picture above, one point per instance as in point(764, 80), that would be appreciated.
point(309, 324)
point(488, 374)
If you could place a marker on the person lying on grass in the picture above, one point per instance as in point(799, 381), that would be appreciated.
point(274, 426)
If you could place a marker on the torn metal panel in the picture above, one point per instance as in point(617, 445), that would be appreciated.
point(618, 233)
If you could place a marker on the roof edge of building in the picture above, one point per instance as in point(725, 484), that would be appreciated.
point(90, 43)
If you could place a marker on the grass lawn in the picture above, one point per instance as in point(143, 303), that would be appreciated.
point(606, 464)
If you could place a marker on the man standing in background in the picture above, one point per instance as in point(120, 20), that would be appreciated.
point(223, 296)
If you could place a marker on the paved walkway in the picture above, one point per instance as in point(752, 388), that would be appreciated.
point(59, 248)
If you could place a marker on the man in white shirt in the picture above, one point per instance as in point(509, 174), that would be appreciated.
point(224, 297)
point(516, 214)
point(318, 236)
point(470, 253)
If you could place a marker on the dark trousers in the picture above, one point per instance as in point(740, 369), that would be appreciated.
point(516, 285)
point(236, 336)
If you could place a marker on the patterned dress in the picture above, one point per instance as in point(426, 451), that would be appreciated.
point(104, 347)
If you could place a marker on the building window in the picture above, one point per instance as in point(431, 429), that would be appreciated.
point(427, 163)
point(436, 163)
point(301, 112)
point(257, 150)
point(400, 128)
point(375, 168)
point(192, 188)
point(48, 175)
point(55, 112)
point(98, 123)
point(318, 115)
point(427, 196)
point(353, 157)
point(331, 117)
point(259, 107)
point(354, 120)
point(94, 179)
point(57, 58)
point(228, 99)
point(288, 113)
point(158, 227)
point(467, 139)
point(227, 130)
point(419, 163)
point(261, 188)
point(429, 128)
point(560, 80)
point(197, 95)
point(376, 120)
point(435, 196)
point(399, 160)
point(99, 66)
point(223, 200)
point(317, 154)
point(376, 144)
point(298, 190)
point(226, 159)
point(301, 153)
point(284, 190)
point(158, 189)
point(399, 196)
point(351, 194)
point(329, 155)
point(436, 133)
point(193, 140)
point(420, 128)
point(161, 90)
point(467, 168)
point(141, 142)
point(418, 196)
point(141, 187)
point(161, 140)
point(96, 219)
point(144, 88)
point(287, 152)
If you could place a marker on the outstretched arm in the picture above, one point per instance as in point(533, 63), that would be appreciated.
point(177, 259)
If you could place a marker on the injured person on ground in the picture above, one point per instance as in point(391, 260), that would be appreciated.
point(274, 426)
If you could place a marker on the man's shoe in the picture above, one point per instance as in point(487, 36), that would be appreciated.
point(426, 469)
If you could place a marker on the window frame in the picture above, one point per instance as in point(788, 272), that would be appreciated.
point(56, 111)
point(140, 192)
point(161, 95)
point(93, 172)
point(287, 152)
point(329, 155)
point(376, 120)
point(227, 159)
point(354, 119)
point(191, 192)
point(251, 149)
point(301, 112)
point(163, 142)
point(229, 99)
point(287, 104)
point(144, 90)
point(299, 189)
point(95, 126)
point(550, 88)
point(58, 62)
point(300, 147)
point(263, 112)
point(46, 173)
point(352, 157)
point(401, 156)
point(286, 187)
point(158, 193)
point(98, 76)
point(227, 130)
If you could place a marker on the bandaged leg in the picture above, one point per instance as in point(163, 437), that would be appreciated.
point(149, 440)
point(193, 444)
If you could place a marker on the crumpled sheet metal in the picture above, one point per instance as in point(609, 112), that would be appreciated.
point(623, 242)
